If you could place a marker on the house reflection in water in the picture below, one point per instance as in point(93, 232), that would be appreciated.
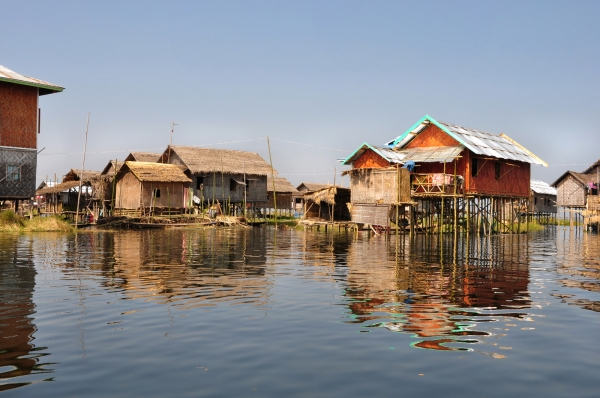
point(17, 282)
point(437, 292)
point(191, 268)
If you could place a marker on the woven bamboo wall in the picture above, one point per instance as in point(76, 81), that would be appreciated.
point(18, 115)
point(379, 186)
point(128, 192)
point(171, 195)
point(24, 188)
point(570, 193)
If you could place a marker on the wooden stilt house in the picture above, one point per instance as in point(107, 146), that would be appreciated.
point(327, 204)
point(578, 193)
point(448, 162)
point(19, 127)
point(226, 176)
point(144, 188)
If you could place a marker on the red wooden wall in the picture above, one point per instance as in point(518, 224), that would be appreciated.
point(18, 115)
point(514, 176)
point(370, 159)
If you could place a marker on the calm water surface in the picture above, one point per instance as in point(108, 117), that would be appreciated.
point(261, 312)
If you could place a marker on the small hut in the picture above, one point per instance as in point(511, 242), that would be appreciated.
point(151, 188)
point(143, 157)
point(578, 193)
point(327, 204)
point(61, 197)
point(542, 203)
point(284, 191)
point(227, 176)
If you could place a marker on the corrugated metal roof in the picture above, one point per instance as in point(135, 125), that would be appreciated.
point(542, 187)
point(388, 154)
point(431, 154)
point(11, 76)
point(479, 142)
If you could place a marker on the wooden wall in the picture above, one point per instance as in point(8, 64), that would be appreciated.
point(542, 203)
point(128, 192)
point(171, 195)
point(18, 115)
point(24, 188)
point(432, 136)
point(218, 186)
point(571, 193)
point(369, 159)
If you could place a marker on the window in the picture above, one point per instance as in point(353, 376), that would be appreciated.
point(157, 193)
point(199, 183)
point(474, 167)
point(232, 184)
point(13, 173)
point(497, 167)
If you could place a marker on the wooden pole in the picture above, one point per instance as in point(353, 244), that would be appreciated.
point(82, 170)
point(273, 180)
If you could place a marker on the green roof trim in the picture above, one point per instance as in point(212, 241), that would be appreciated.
point(441, 127)
point(347, 160)
point(57, 89)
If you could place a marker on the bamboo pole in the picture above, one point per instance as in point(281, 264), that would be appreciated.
point(273, 180)
point(82, 171)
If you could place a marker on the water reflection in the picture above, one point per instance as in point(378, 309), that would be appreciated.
point(18, 355)
point(438, 290)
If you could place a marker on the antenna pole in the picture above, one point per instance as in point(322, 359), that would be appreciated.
point(82, 170)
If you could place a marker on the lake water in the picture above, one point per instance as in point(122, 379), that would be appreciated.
point(272, 313)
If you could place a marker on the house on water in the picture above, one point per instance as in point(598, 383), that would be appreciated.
point(456, 173)
point(144, 188)
point(19, 126)
point(282, 191)
point(542, 203)
point(578, 192)
point(223, 175)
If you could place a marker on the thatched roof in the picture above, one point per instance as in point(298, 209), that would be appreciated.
point(282, 185)
point(76, 175)
point(326, 194)
point(204, 160)
point(109, 169)
point(311, 186)
point(584, 179)
point(154, 172)
point(143, 157)
point(65, 186)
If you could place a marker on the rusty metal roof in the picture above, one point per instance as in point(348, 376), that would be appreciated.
point(479, 142)
point(542, 187)
point(10, 76)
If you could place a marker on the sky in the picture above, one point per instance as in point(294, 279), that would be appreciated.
point(319, 78)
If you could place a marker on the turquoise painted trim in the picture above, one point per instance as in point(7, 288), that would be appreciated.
point(441, 127)
point(23, 83)
point(354, 153)
point(403, 136)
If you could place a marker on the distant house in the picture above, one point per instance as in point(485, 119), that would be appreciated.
point(227, 176)
point(543, 198)
point(19, 127)
point(91, 188)
point(151, 188)
point(579, 190)
point(284, 191)
point(143, 157)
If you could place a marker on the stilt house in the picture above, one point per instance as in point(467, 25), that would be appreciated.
point(227, 176)
point(284, 191)
point(543, 198)
point(579, 190)
point(151, 188)
point(447, 161)
point(19, 126)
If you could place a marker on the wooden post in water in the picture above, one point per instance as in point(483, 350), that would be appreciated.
point(82, 171)
point(273, 178)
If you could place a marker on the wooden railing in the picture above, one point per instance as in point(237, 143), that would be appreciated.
point(435, 184)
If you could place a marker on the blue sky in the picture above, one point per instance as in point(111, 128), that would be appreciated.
point(332, 74)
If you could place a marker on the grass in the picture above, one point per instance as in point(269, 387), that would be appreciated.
point(11, 222)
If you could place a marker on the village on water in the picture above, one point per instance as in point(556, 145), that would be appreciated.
point(435, 177)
